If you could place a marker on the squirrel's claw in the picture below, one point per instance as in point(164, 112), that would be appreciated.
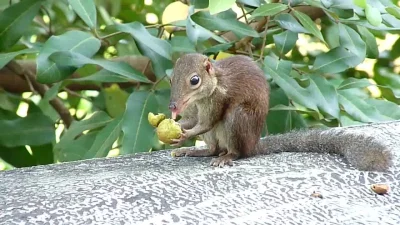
point(178, 142)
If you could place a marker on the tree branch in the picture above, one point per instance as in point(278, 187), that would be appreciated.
point(56, 103)
point(16, 84)
point(313, 12)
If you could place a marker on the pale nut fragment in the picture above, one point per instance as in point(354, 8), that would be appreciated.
point(380, 189)
point(316, 195)
point(173, 154)
point(154, 120)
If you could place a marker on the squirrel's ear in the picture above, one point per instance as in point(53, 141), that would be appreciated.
point(208, 66)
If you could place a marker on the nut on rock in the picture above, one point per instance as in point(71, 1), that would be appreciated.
point(167, 130)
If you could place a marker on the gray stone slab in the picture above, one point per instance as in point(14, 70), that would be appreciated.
point(153, 188)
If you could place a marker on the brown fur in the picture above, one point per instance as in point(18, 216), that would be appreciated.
point(228, 110)
point(231, 104)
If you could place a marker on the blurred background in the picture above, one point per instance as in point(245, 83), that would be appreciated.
point(55, 111)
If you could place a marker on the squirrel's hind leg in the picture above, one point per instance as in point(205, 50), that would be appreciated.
point(239, 134)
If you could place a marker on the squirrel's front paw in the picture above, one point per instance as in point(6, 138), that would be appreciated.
point(179, 142)
point(181, 152)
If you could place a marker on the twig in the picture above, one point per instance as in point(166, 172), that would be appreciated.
point(156, 25)
point(157, 82)
point(242, 53)
point(244, 41)
point(160, 32)
point(28, 81)
point(56, 103)
point(71, 92)
point(111, 35)
point(244, 13)
point(145, 67)
point(248, 48)
point(264, 40)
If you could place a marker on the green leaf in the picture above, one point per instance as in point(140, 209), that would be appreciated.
point(6, 102)
point(370, 41)
point(279, 122)
point(17, 156)
point(347, 120)
point(104, 140)
point(52, 92)
point(217, 6)
point(197, 33)
point(137, 130)
point(373, 15)
point(86, 10)
point(115, 100)
point(341, 13)
point(73, 41)
point(104, 75)
point(159, 51)
point(296, 109)
point(394, 11)
point(254, 3)
point(395, 51)
point(5, 58)
point(306, 21)
point(366, 24)
point(34, 129)
point(293, 90)
point(8, 115)
point(332, 41)
point(360, 3)
point(182, 44)
point(163, 96)
point(210, 22)
point(334, 61)
point(391, 20)
point(199, 4)
point(217, 48)
point(15, 20)
point(269, 9)
point(43, 154)
point(388, 80)
point(97, 120)
point(351, 82)
point(287, 21)
point(75, 60)
point(386, 108)
point(76, 149)
point(340, 4)
point(358, 108)
point(325, 95)
point(285, 41)
point(352, 41)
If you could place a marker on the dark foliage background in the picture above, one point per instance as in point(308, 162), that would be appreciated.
point(79, 77)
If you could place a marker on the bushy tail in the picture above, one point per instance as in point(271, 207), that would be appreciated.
point(362, 151)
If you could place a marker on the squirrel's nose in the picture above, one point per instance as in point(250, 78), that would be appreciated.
point(172, 106)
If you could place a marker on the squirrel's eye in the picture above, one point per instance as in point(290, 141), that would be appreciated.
point(194, 80)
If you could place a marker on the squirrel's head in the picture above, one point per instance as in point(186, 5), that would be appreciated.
point(193, 78)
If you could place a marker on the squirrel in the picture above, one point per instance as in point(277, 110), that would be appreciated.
point(226, 103)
